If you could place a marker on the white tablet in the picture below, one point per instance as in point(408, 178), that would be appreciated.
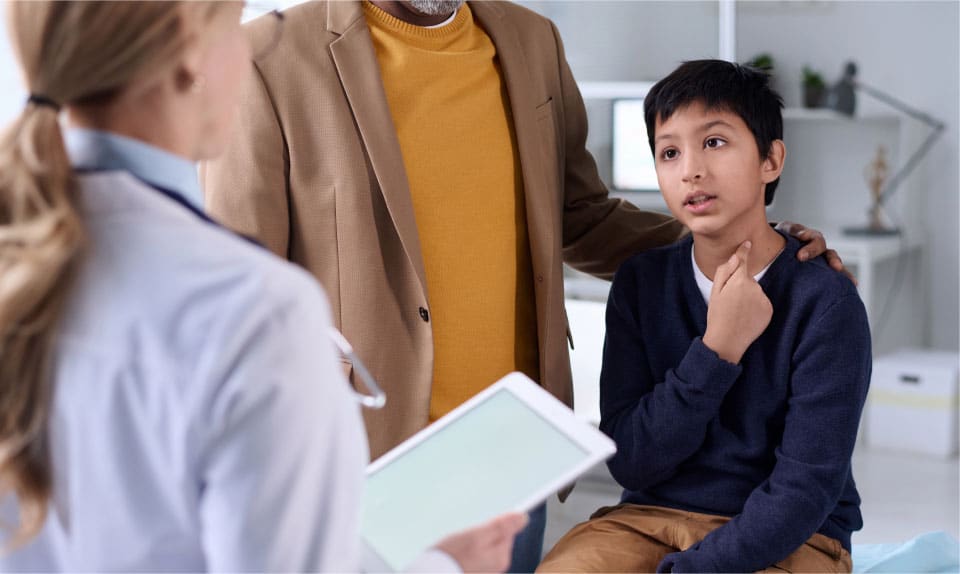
point(506, 449)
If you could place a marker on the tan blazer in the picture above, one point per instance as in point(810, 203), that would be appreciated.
point(314, 172)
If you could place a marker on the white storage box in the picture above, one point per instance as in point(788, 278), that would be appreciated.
point(912, 404)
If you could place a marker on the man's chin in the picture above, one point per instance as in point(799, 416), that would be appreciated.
point(435, 7)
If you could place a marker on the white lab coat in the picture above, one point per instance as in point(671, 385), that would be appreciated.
point(200, 418)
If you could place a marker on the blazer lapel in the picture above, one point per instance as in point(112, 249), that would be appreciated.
point(359, 72)
point(513, 65)
point(540, 202)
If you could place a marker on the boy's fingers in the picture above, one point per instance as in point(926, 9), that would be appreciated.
point(743, 254)
point(724, 272)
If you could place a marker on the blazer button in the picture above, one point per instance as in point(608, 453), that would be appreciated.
point(424, 315)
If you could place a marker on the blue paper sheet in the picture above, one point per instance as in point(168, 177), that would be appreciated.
point(930, 552)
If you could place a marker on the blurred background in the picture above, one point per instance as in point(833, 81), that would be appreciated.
point(906, 463)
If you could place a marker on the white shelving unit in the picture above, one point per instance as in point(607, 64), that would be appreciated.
point(865, 255)
point(613, 90)
point(822, 114)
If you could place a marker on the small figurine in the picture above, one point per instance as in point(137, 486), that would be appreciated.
point(876, 177)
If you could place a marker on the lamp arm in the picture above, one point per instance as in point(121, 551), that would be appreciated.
point(916, 114)
point(897, 104)
point(904, 171)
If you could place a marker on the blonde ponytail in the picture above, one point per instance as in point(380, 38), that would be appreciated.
point(74, 53)
point(40, 241)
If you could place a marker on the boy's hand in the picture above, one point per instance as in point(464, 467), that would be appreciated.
point(739, 310)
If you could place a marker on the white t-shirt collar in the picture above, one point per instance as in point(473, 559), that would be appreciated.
point(445, 22)
point(706, 285)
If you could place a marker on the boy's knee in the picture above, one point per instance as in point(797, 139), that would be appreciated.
point(604, 544)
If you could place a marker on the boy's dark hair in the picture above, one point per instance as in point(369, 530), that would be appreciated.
point(740, 89)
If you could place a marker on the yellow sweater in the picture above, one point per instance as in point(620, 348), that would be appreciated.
point(452, 116)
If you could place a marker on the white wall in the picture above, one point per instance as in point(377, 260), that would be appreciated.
point(910, 50)
point(632, 41)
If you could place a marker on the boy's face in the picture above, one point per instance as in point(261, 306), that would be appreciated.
point(710, 171)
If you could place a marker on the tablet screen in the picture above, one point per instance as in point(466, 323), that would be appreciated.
point(489, 461)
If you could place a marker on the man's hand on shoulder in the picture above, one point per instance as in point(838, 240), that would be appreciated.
point(814, 245)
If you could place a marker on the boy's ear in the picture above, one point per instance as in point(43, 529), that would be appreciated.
point(773, 164)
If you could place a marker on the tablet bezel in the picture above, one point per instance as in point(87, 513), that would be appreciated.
point(598, 447)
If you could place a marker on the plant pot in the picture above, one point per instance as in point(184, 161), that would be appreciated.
point(813, 96)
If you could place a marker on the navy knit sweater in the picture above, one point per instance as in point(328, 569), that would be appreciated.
point(767, 442)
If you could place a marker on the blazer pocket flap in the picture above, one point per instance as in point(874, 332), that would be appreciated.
point(545, 109)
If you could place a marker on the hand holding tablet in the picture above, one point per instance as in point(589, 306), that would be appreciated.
point(505, 450)
point(485, 548)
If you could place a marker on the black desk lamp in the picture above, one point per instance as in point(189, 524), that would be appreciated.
point(842, 97)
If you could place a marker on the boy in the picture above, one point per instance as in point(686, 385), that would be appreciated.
point(733, 375)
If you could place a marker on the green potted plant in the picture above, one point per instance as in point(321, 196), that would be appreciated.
point(814, 88)
point(763, 61)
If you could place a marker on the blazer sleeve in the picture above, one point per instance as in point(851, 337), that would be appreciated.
point(599, 231)
point(246, 187)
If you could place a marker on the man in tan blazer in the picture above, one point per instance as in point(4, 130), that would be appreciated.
point(434, 180)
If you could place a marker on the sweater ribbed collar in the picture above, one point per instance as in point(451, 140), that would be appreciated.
point(417, 34)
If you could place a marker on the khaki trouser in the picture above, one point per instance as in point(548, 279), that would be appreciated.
point(635, 538)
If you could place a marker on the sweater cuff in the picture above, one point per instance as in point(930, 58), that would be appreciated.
point(687, 561)
point(704, 368)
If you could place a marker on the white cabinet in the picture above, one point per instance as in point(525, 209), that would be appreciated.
point(912, 404)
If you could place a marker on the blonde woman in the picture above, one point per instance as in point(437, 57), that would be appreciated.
point(168, 397)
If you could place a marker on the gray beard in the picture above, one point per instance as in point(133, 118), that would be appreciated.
point(436, 7)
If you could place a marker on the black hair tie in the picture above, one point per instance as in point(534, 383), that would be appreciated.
point(39, 100)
